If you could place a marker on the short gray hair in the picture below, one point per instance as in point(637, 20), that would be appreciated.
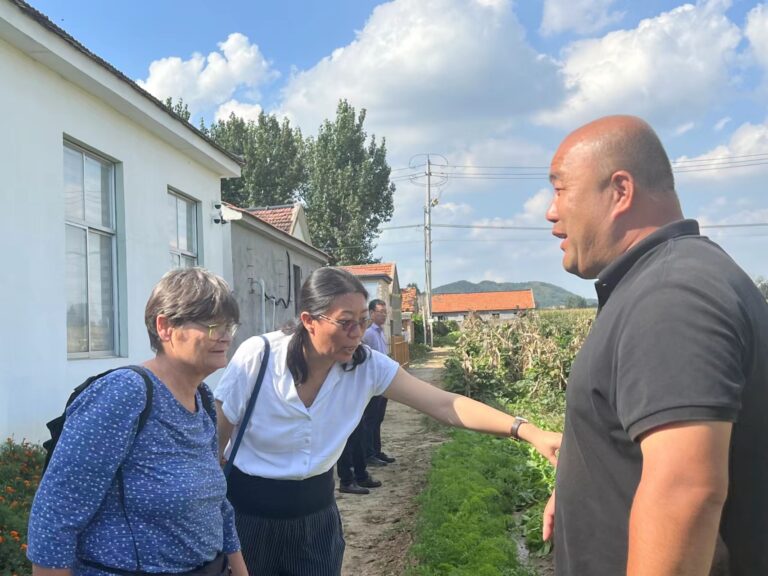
point(189, 295)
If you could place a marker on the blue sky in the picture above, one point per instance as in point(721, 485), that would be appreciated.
point(489, 87)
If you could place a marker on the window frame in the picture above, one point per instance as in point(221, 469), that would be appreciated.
point(175, 251)
point(99, 229)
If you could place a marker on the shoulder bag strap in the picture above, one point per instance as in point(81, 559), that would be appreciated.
point(249, 408)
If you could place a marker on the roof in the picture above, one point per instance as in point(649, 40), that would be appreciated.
point(281, 217)
point(483, 302)
point(46, 23)
point(384, 269)
point(408, 302)
point(243, 214)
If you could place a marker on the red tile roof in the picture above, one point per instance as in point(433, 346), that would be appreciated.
point(408, 302)
point(363, 270)
point(483, 302)
point(280, 217)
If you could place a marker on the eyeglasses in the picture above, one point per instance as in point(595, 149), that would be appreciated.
point(346, 325)
point(219, 331)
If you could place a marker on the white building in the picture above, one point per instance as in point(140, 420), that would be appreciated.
point(103, 190)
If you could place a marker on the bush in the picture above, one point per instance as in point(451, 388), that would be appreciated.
point(449, 339)
point(21, 466)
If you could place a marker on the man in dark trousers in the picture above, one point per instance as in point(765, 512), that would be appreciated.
point(377, 407)
point(664, 459)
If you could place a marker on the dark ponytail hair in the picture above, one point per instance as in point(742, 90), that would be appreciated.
point(317, 294)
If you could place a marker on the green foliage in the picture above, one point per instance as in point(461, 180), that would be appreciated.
point(449, 339)
point(529, 357)
point(476, 483)
point(348, 195)
point(418, 328)
point(479, 482)
point(273, 152)
point(179, 108)
point(20, 469)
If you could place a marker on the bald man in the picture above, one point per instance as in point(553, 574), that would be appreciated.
point(665, 453)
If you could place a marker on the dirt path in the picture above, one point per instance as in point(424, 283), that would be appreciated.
point(378, 527)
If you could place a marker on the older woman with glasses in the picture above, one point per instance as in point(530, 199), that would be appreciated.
point(126, 493)
point(318, 381)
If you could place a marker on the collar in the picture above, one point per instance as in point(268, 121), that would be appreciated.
point(612, 274)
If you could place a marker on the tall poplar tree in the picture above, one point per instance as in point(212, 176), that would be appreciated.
point(274, 170)
point(348, 195)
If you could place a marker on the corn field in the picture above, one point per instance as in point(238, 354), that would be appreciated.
point(527, 358)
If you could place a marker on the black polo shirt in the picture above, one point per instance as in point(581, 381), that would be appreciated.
point(681, 335)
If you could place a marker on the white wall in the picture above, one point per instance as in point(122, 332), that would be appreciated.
point(257, 257)
point(40, 109)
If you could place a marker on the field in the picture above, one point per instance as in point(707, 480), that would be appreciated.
point(481, 512)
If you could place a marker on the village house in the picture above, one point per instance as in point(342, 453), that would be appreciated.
point(486, 305)
point(271, 256)
point(104, 191)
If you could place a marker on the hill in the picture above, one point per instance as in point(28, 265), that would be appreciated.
point(546, 295)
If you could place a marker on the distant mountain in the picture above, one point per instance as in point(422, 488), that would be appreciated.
point(546, 295)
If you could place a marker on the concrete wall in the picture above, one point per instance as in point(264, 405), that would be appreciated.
point(257, 257)
point(41, 109)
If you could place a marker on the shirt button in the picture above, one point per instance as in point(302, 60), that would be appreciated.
point(306, 441)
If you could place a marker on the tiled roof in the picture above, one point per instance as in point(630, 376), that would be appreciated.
point(483, 302)
point(362, 270)
point(408, 303)
point(280, 217)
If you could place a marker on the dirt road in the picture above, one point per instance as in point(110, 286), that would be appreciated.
point(378, 527)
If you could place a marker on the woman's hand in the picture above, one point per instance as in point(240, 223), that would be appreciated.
point(546, 443)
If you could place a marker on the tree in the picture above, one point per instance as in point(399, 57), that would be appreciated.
point(179, 108)
point(274, 168)
point(575, 301)
point(348, 195)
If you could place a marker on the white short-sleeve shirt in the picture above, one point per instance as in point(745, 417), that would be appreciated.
point(284, 439)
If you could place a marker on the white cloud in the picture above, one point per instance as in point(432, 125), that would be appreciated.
point(683, 128)
point(207, 81)
point(581, 16)
point(743, 156)
point(676, 61)
point(430, 73)
point(241, 109)
point(721, 123)
point(757, 32)
point(532, 216)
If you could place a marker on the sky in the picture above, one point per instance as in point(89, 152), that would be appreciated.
point(486, 89)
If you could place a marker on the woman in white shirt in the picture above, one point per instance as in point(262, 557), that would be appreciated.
point(317, 383)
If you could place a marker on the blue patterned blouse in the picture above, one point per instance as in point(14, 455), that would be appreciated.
point(176, 514)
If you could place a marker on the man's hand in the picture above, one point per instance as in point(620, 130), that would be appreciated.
point(548, 520)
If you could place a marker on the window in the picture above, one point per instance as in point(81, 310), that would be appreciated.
point(89, 207)
point(296, 287)
point(496, 315)
point(182, 224)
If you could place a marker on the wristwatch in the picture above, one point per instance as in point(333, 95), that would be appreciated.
point(516, 426)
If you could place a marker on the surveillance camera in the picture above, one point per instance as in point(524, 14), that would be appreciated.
point(217, 204)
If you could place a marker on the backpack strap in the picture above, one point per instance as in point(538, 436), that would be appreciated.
point(141, 371)
point(206, 398)
point(249, 408)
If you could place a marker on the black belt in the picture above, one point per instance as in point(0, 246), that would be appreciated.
point(271, 498)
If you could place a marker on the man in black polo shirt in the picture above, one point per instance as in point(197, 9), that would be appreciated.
point(665, 454)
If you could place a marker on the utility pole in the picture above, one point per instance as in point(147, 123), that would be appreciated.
point(428, 257)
